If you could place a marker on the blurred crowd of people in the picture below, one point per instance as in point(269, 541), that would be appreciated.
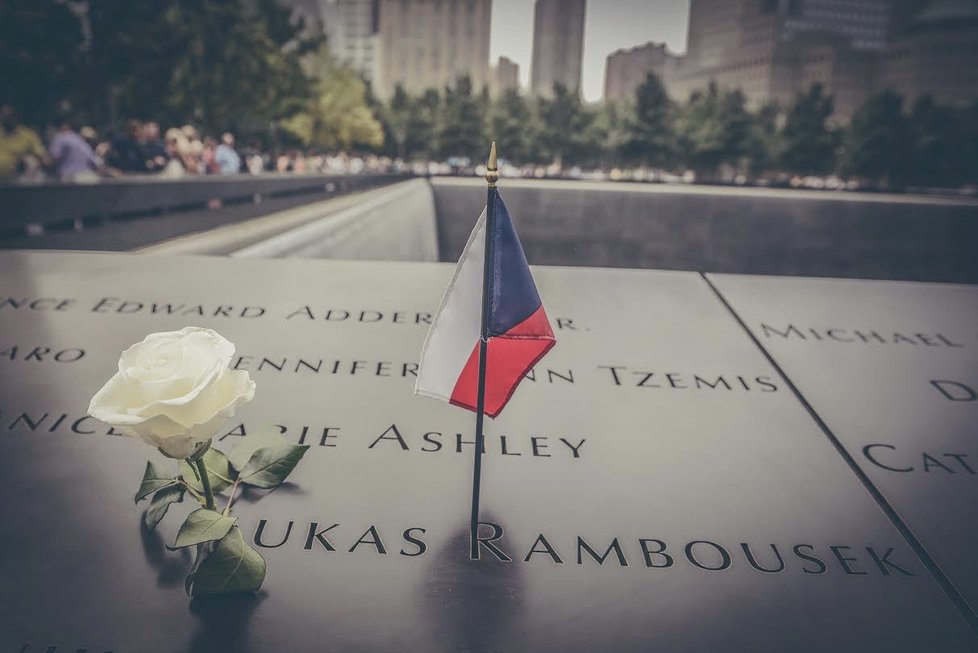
point(79, 154)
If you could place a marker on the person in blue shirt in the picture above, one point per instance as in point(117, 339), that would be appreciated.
point(72, 157)
point(227, 158)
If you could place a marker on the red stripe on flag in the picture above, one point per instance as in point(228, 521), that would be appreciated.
point(508, 358)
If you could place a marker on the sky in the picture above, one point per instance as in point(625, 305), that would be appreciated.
point(608, 26)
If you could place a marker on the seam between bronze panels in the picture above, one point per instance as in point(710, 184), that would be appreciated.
point(958, 599)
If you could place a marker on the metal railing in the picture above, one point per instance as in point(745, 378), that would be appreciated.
point(32, 208)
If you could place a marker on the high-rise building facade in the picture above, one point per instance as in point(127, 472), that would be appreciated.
point(558, 45)
point(864, 24)
point(432, 43)
point(731, 43)
point(625, 70)
point(505, 76)
point(773, 49)
point(935, 54)
point(351, 33)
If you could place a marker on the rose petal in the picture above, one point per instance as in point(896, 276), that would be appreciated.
point(230, 390)
point(210, 428)
point(180, 447)
point(165, 434)
point(110, 403)
point(244, 393)
point(174, 389)
point(204, 352)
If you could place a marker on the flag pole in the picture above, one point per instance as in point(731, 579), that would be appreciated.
point(492, 174)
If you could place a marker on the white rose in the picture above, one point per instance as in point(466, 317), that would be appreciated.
point(174, 390)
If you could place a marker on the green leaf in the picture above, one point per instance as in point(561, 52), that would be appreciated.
point(242, 452)
point(203, 550)
point(160, 503)
point(153, 480)
point(232, 567)
point(218, 471)
point(270, 466)
point(203, 525)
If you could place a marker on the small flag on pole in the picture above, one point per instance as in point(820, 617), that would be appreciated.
point(517, 331)
point(489, 330)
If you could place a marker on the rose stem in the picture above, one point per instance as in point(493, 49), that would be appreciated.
point(206, 482)
point(234, 487)
point(192, 491)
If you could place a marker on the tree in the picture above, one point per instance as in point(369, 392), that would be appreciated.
point(876, 141)
point(649, 136)
point(337, 116)
point(764, 144)
point(396, 116)
point(210, 61)
point(809, 144)
point(40, 44)
point(714, 129)
point(286, 32)
point(938, 149)
point(231, 73)
point(610, 131)
point(129, 59)
point(968, 125)
point(511, 125)
point(423, 131)
point(565, 126)
point(461, 129)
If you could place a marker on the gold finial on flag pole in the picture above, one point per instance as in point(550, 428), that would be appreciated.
point(492, 171)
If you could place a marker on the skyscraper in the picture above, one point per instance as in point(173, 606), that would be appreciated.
point(431, 43)
point(505, 76)
point(351, 31)
point(626, 70)
point(772, 49)
point(864, 24)
point(934, 54)
point(558, 45)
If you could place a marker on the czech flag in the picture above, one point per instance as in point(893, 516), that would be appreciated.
point(518, 333)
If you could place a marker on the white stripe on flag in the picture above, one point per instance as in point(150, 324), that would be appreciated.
point(458, 323)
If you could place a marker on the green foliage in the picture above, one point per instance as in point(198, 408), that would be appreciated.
point(938, 145)
point(283, 30)
point(460, 129)
point(223, 563)
point(203, 526)
point(396, 118)
point(512, 125)
point(337, 116)
point(153, 480)
point(968, 139)
point(242, 452)
point(567, 133)
point(40, 44)
point(223, 64)
point(765, 142)
point(609, 134)
point(202, 551)
point(231, 73)
point(876, 143)
point(161, 503)
point(649, 134)
point(246, 66)
point(232, 566)
point(712, 132)
point(809, 143)
point(714, 129)
point(266, 460)
point(218, 470)
point(423, 129)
